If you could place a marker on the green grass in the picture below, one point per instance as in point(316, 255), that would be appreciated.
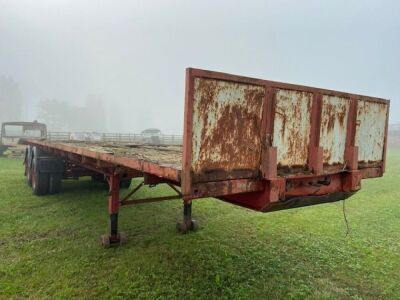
point(49, 246)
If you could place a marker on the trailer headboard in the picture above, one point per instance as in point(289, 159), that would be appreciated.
point(240, 131)
point(222, 130)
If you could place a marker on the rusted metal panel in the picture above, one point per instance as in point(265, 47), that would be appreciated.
point(226, 129)
point(371, 129)
point(335, 112)
point(292, 127)
point(227, 187)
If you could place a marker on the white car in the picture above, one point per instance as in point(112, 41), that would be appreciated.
point(85, 136)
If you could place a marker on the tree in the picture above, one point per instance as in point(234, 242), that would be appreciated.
point(62, 116)
point(57, 115)
point(10, 100)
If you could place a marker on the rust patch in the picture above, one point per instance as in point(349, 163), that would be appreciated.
point(226, 125)
point(292, 128)
point(333, 132)
point(370, 132)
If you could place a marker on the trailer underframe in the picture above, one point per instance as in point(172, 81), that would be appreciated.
point(299, 190)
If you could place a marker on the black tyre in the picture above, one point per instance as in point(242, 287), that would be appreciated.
point(55, 182)
point(37, 152)
point(40, 183)
point(28, 173)
point(27, 163)
point(98, 178)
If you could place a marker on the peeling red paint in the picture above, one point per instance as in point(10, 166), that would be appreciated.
point(226, 126)
point(292, 124)
point(333, 132)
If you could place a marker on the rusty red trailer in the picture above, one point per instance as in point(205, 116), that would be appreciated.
point(260, 144)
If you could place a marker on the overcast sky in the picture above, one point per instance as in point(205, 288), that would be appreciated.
point(134, 53)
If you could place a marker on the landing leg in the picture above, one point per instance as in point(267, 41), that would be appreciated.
point(188, 223)
point(114, 237)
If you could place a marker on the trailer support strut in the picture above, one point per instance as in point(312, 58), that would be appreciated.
point(126, 201)
point(114, 237)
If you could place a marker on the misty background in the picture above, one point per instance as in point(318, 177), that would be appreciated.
point(119, 66)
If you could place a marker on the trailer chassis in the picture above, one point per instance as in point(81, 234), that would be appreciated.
point(297, 190)
point(78, 165)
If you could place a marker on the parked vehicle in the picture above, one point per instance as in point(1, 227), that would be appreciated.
point(85, 136)
point(256, 143)
point(151, 136)
point(13, 132)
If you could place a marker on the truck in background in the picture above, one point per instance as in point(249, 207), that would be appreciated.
point(13, 132)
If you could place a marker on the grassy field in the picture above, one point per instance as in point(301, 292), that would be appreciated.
point(49, 246)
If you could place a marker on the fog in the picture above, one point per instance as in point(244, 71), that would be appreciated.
point(121, 64)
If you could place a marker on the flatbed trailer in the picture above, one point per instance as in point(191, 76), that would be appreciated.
point(256, 143)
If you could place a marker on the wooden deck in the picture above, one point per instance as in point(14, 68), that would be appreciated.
point(162, 161)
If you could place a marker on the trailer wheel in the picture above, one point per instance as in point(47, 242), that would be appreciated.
point(55, 183)
point(96, 178)
point(28, 172)
point(40, 183)
point(37, 152)
point(27, 163)
point(99, 178)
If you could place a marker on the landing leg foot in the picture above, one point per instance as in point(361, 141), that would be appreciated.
point(184, 228)
point(114, 238)
point(108, 241)
point(188, 223)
